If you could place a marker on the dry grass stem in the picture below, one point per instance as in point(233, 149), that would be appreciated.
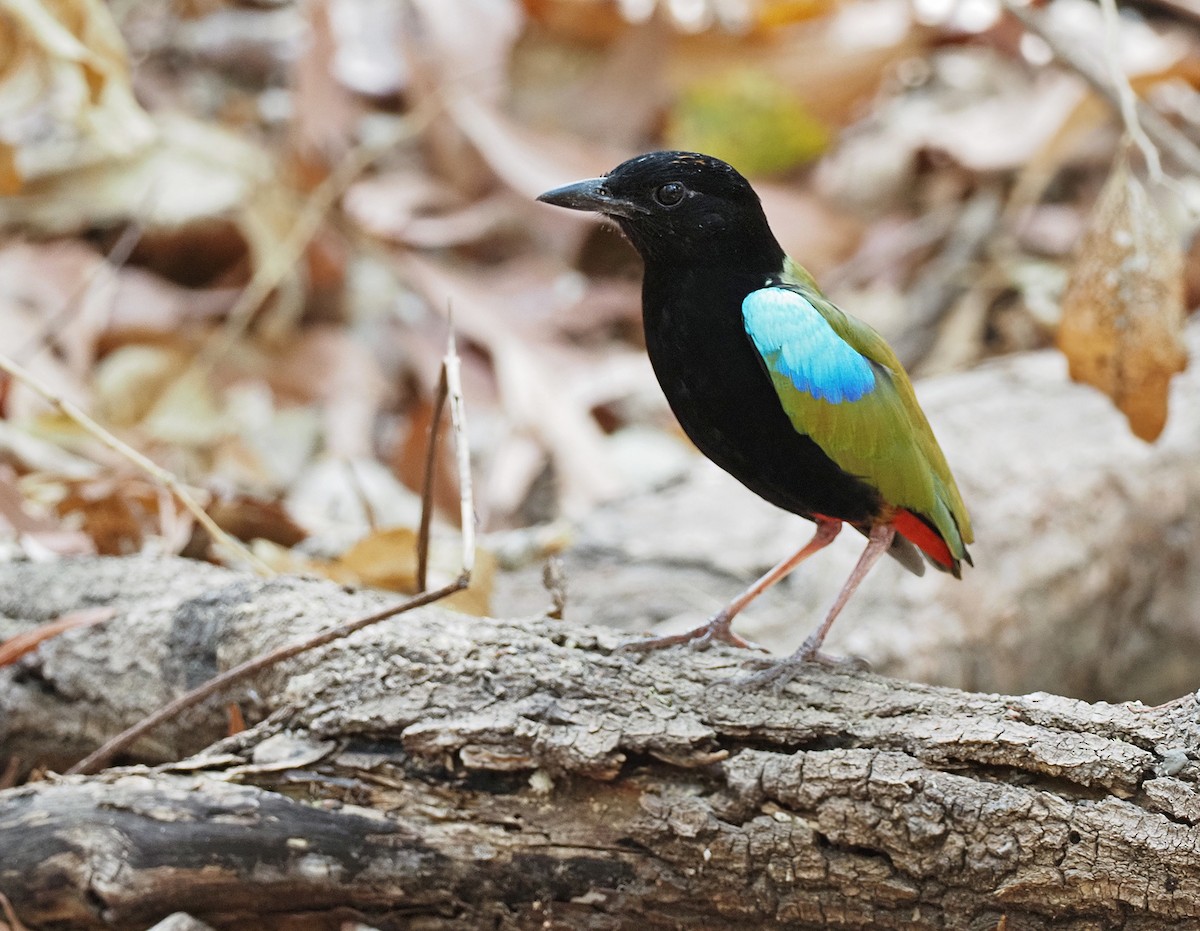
point(452, 367)
point(1126, 98)
point(435, 423)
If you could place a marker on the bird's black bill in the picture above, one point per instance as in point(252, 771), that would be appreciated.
point(592, 195)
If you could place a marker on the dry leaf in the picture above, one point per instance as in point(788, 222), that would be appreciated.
point(65, 96)
point(1123, 308)
point(250, 518)
point(327, 365)
point(237, 721)
point(337, 496)
point(123, 514)
point(128, 382)
point(383, 559)
point(468, 41)
point(528, 161)
point(387, 559)
point(14, 648)
point(191, 170)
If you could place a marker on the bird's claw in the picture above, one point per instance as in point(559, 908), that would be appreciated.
point(700, 638)
point(779, 672)
point(775, 673)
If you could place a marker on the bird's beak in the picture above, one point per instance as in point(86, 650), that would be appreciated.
point(592, 195)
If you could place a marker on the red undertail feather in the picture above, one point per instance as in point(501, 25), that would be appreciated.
point(924, 537)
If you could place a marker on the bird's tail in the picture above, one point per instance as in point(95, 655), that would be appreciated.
point(921, 535)
point(907, 554)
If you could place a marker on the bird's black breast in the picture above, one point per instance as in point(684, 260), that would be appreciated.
point(722, 396)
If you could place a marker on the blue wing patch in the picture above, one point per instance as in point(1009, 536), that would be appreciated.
point(796, 341)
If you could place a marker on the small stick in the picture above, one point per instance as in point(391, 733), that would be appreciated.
point(435, 423)
point(458, 419)
point(151, 468)
point(360, 492)
point(21, 644)
point(1126, 98)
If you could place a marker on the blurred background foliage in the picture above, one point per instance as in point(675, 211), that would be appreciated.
point(234, 232)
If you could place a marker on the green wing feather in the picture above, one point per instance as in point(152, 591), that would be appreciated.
point(883, 437)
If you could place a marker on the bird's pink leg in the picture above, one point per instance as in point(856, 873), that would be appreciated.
point(782, 672)
point(719, 626)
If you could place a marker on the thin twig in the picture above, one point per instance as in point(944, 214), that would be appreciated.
point(151, 468)
point(102, 756)
point(1126, 98)
point(462, 451)
point(1174, 144)
point(451, 377)
point(364, 500)
point(435, 423)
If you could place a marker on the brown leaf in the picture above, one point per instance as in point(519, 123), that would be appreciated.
point(387, 559)
point(383, 559)
point(122, 513)
point(65, 67)
point(249, 518)
point(1123, 307)
point(237, 721)
point(14, 648)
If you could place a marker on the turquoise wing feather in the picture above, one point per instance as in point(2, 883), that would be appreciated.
point(842, 385)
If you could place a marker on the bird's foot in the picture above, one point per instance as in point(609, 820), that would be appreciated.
point(700, 638)
point(777, 673)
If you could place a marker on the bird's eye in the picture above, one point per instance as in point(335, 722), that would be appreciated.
point(669, 194)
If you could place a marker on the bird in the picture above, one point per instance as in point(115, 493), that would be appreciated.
point(802, 403)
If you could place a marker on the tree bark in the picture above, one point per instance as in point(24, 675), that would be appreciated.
point(450, 772)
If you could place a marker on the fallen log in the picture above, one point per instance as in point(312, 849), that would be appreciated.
point(450, 772)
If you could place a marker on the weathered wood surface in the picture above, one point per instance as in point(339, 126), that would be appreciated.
point(447, 772)
point(1087, 578)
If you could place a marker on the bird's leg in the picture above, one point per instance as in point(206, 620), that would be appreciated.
point(720, 624)
point(782, 671)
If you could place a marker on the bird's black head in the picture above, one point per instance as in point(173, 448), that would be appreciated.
point(680, 208)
